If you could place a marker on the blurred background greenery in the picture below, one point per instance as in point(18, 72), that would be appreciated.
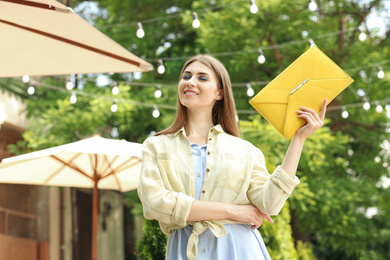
point(341, 209)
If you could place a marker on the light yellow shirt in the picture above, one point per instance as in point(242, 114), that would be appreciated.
point(235, 174)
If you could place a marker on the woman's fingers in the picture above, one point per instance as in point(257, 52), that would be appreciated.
point(267, 217)
point(251, 215)
point(323, 110)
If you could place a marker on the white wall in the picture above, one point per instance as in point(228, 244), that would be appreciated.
point(11, 108)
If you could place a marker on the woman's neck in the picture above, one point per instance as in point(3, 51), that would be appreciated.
point(198, 127)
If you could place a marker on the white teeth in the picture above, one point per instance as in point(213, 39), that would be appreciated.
point(190, 93)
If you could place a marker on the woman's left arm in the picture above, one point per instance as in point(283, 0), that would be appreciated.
point(294, 151)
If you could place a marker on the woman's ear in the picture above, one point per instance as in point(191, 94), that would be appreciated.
point(220, 95)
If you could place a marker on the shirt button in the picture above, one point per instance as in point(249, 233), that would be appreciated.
point(198, 175)
point(203, 250)
point(208, 153)
point(210, 139)
point(208, 169)
point(211, 130)
point(197, 154)
point(203, 191)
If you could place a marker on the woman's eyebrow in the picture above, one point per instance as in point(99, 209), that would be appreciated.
point(201, 73)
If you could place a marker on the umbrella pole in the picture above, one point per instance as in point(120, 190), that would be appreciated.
point(95, 205)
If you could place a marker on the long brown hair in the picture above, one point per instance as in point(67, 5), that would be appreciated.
point(224, 110)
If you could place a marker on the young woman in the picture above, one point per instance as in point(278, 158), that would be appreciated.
point(209, 189)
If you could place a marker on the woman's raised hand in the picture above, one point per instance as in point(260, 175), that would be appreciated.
point(314, 121)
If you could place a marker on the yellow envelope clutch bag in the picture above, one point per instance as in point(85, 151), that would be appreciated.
point(306, 82)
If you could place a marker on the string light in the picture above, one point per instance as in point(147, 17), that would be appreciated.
point(161, 68)
point(69, 85)
point(115, 89)
point(344, 113)
point(114, 107)
point(250, 92)
point(282, 45)
point(253, 9)
point(366, 105)
point(156, 113)
point(140, 31)
point(158, 93)
point(31, 90)
point(312, 6)
point(26, 78)
point(381, 73)
point(379, 108)
point(73, 98)
point(261, 57)
point(362, 36)
point(195, 20)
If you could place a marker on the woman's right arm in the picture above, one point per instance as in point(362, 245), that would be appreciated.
point(178, 208)
point(159, 203)
point(208, 210)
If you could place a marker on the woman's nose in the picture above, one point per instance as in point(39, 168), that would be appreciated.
point(191, 82)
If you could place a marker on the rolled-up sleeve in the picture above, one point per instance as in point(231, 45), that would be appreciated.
point(269, 192)
point(159, 203)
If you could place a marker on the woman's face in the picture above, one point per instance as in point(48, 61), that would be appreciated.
point(198, 87)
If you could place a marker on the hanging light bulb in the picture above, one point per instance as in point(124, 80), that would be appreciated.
point(156, 113)
point(379, 108)
point(253, 9)
point(114, 107)
point(73, 98)
point(31, 90)
point(250, 92)
point(195, 20)
point(161, 68)
point(158, 93)
point(362, 36)
point(312, 6)
point(261, 57)
point(381, 73)
point(366, 105)
point(140, 31)
point(311, 42)
point(69, 85)
point(345, 113)
point(26, 78)
point(115, 89)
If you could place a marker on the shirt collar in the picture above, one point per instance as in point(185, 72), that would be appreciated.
point(217, 128)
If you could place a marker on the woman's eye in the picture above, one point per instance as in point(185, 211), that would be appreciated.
point(203, 78)
point(186, 76)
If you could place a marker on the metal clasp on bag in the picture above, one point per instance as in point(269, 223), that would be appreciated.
point(299, 86)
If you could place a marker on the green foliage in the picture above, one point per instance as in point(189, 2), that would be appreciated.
point(305, 251)
point(278, 236)
point(152, 245)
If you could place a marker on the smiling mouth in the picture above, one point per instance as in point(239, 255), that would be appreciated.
point(190, 93)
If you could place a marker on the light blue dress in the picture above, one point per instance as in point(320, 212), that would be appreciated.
point(241, 241)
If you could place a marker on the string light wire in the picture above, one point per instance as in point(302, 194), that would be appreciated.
point(170, 107)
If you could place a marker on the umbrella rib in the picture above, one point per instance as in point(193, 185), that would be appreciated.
point(60, 169)
point(62, 39)
point(39, 5)
point(123, 166)
point(109, 166)
point(74, 167)
point(93, 165)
